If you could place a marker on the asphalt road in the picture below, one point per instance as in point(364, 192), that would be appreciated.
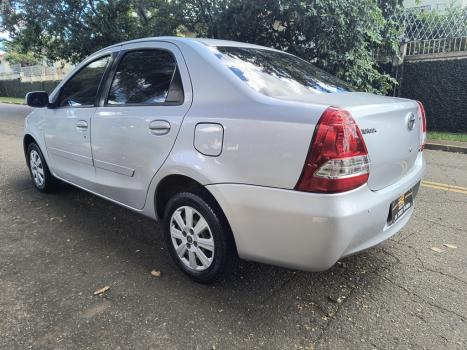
point(56, 250)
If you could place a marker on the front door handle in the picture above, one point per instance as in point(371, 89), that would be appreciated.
point(82, 124)
point(159, 127)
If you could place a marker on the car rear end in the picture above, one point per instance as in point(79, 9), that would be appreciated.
point(360, 175)
point(354, 191)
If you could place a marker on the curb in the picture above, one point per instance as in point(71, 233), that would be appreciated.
point(446, 148)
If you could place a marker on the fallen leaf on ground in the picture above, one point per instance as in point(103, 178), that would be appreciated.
point(102, 290)
point(452, 246)
point(335, 300)
point(437, 250)
point(156, 273)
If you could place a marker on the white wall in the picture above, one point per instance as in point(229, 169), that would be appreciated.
point(4, 65)
point(434, 4)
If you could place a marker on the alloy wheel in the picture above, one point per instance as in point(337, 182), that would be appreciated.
point(37, 169)
point(192, 238)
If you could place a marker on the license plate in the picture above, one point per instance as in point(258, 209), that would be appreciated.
point(400, 205)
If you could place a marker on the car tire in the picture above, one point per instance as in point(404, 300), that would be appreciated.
point(204, 250)
point(41, 177)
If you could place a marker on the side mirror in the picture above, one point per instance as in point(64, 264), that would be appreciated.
point(37, 99)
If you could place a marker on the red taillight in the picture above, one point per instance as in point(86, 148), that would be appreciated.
point(338, 159)
point(423, 126)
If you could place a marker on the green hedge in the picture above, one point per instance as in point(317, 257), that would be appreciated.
point(16, 88)
point(442, 88)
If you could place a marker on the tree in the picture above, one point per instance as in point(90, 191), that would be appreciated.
point(344, 37)
point(72, 29)
point(15, 56)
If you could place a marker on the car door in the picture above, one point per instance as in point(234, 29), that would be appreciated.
point(67, 124)
point(133, 130)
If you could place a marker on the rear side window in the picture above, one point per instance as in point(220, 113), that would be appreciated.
point(146, 77)
point(81, 89)
point(278, 74)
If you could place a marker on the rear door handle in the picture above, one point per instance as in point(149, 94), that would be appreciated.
point(82, 124)
point(159, 127)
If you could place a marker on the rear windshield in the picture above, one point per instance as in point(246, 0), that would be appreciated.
point(278, 74)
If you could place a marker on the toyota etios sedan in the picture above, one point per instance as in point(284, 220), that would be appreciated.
point(240, 150)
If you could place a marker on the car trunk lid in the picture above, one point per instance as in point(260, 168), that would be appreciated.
point(392, 145)
point(391, 130)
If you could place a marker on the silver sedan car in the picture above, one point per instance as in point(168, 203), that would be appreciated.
point(240, 150)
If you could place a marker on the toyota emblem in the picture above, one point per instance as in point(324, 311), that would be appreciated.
point(411, 121)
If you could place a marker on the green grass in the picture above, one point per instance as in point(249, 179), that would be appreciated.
point(12, 100)
point(447, 136)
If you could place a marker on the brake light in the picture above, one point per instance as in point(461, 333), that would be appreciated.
point(337, 160)
point(423, 126)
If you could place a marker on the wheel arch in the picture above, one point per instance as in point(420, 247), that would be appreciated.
point(175, 183)
point(27, 140)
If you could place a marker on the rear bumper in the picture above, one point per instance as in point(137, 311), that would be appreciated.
point(310, 231)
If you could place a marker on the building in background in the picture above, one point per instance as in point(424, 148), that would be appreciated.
point(44, 71)
point(433, 5)
point(4, 65)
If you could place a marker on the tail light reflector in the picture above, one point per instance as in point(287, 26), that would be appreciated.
point(422, 126)
point(337, 160)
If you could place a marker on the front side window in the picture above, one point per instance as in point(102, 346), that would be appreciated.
point(143, 77)
point(278, 74)
point(81, 89)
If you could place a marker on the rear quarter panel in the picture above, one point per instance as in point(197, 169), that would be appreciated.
point(263, 145)
point(265, 140)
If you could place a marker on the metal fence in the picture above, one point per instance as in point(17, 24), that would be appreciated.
point(426, 25)
point(35, 73)
point(436, 46)
point(434, 33)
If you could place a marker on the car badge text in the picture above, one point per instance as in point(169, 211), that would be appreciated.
point(368, 131)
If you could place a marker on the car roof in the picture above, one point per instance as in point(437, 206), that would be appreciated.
point(204, 41)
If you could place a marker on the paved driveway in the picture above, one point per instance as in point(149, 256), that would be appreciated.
point(56, 250)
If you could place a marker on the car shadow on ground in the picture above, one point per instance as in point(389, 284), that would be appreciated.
point(103, 243)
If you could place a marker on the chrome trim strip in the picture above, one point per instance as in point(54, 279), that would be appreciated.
point(119, 169)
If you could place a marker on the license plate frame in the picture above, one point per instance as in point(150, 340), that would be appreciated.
point(400, 205)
